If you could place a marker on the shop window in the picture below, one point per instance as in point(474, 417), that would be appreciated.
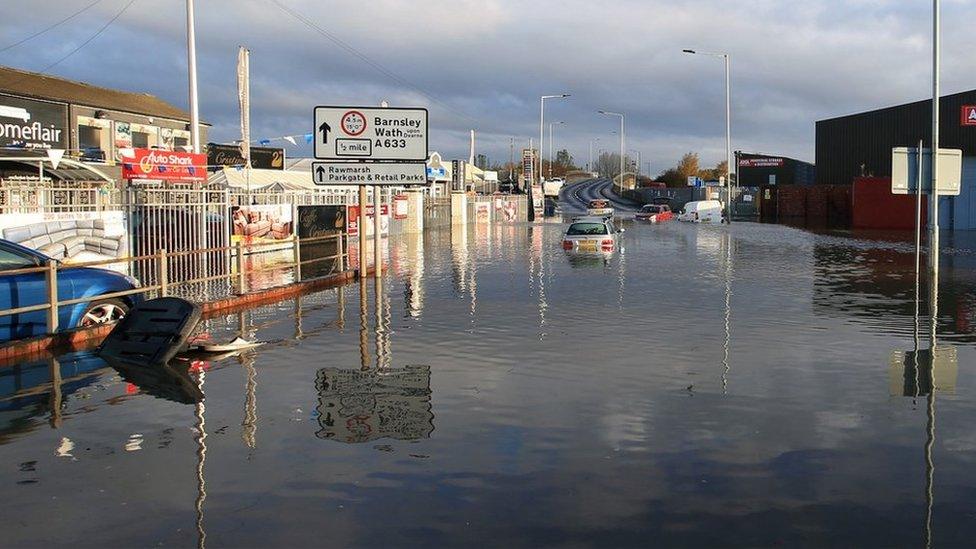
point(92, 141)
point(140, 140)
point(180, 142)
point(89, 137)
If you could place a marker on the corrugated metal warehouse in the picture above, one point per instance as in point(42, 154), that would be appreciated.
point(756, 170)
point(859, 145)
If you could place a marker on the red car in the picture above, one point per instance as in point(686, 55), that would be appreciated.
point(655, 213)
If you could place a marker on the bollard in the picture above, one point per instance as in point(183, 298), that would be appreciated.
point(162, 274)
point(297, 251)
point(52, 296)
point(240, 267)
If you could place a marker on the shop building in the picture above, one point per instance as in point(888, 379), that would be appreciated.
point(90, 123)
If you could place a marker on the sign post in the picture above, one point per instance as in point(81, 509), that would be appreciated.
point(370, 146)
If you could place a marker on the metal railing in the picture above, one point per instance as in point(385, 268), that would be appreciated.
point(161, 260)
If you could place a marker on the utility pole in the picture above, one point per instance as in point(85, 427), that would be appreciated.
point(621, 177)
point(511, 161)
point(728, 125)
point(934, 196)
point(191, 62)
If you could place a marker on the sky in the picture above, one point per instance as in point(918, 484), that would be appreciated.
point(483, 64)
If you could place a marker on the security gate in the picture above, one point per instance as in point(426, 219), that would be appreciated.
point(192, 225)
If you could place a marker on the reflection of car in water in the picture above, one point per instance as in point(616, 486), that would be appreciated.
point(591, 235)
point(24, 391)
point(26, 289)
point(599, 207)
point(654, 213)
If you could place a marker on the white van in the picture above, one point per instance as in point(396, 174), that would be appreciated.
point(702, 211)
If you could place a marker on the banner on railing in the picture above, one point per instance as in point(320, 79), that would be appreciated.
point(261, 223)
point(354, 220)
point(316, 222)
point(400, 208)
point(71, 237)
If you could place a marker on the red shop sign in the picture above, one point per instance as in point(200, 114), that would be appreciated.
point(164, 165)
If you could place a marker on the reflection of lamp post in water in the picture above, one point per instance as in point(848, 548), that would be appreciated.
point(728, 314)
point(201, 438)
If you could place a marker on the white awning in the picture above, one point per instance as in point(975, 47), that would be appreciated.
point(270, 180)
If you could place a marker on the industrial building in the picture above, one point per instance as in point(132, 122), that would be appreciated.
point(859, 146)
point(756, 170)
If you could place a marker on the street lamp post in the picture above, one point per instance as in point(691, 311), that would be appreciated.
point(551, 124)
point(728, 124)
point(637, 166)
point(621, 176)
point(191, 56)
point(542, 126)
point(589, 166)
point(542, 122)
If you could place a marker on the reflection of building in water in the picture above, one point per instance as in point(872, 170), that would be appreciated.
point(904, 379)
point(459, 263)
point(867, 281)
point(356, 406)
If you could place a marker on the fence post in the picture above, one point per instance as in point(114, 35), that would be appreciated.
point(162, 274)
point(297, 250)
point(240, 267)
point(52, 296)
point(340, 252)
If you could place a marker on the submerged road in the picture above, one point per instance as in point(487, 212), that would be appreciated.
point(574, 198)
point(711, 385)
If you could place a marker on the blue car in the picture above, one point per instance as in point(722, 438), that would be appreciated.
point(26, 289)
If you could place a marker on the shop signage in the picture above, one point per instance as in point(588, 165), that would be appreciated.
point(760, 162)
point(262, 158)
point(163, 165)
point(371, 133)
point(969, 115)
point(32, 124)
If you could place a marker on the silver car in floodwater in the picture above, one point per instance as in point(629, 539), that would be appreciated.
point(592, 235)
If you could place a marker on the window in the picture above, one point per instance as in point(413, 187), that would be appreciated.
point(180, 142)
point(10, 260)
point(140, 140)
point(580, 229)
point(89, 137)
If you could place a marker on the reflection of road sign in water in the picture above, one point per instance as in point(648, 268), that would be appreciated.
point(904, 379)
point(357, 406)
point(371, 133)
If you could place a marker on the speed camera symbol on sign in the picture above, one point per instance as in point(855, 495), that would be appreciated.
point(353, 123)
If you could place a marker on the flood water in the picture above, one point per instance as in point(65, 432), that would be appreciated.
point(708, 386)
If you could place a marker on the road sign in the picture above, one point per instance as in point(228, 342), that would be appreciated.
point(904, 171)
point(369, 173)
point(371, 133)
